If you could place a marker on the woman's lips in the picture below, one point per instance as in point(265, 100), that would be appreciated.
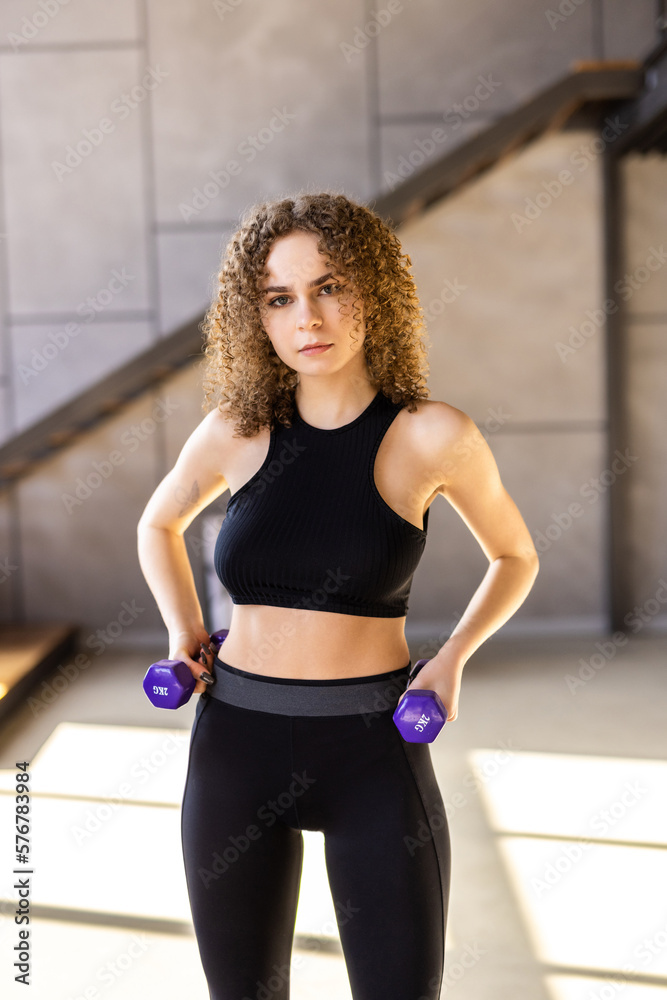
point(315, 350)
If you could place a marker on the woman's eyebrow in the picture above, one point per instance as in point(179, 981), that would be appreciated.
point(311, 284)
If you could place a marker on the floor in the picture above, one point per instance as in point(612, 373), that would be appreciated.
point(555, 785)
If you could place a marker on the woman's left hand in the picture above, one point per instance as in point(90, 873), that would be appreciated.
point(441, 674)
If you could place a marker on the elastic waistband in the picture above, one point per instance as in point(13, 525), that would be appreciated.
point(287, 696)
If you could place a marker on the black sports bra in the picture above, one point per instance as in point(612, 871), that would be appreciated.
point(310, 528)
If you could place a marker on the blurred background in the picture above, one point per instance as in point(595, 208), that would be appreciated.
point(519, 150)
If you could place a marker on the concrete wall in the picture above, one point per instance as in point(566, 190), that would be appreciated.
point(515, 281)
point(131, 136)
point(114, 116)
point(644, 301)
point(76, 533)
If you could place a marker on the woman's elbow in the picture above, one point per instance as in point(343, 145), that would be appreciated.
point(532, 561)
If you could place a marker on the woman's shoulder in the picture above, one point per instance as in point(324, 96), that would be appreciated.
point(220, 423)
point(218, 435)
point(434, 421)
point(443, 437)
point(215, 432)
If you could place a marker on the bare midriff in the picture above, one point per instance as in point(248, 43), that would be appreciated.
point(312, 645)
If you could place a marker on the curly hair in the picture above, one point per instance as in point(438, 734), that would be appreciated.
point(242, 368)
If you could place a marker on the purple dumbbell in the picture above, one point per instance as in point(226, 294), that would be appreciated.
point(170, 683)
point(420, 714)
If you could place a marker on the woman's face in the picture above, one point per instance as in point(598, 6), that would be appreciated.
point(305, 302)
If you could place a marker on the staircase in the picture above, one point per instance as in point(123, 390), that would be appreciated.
point(28, 655)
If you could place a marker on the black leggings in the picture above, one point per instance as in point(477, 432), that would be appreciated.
point(257, 778)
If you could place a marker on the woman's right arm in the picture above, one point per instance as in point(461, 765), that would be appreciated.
point(194, 482)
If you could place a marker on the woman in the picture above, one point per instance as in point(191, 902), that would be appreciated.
point(333, 453)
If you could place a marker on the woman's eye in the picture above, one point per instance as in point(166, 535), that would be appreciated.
point(329, 289)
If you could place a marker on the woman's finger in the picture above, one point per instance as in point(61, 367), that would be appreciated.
point(199, 669)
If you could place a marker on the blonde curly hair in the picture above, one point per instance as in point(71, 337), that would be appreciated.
point(241, 364)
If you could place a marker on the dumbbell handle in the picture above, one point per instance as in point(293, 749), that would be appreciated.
point(170, 683)
point(420, 714)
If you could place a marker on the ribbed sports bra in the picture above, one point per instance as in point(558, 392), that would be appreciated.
point(310, 528)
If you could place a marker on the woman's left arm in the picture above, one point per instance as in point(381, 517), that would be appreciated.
point(468, 477)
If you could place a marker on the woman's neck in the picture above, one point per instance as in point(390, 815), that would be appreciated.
point(328, 407)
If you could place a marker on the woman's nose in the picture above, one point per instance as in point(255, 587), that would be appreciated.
point(308, 314)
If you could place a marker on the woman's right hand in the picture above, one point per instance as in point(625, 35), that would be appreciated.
point(195, 650)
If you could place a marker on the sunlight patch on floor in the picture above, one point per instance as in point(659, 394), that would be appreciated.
point(583, 841)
